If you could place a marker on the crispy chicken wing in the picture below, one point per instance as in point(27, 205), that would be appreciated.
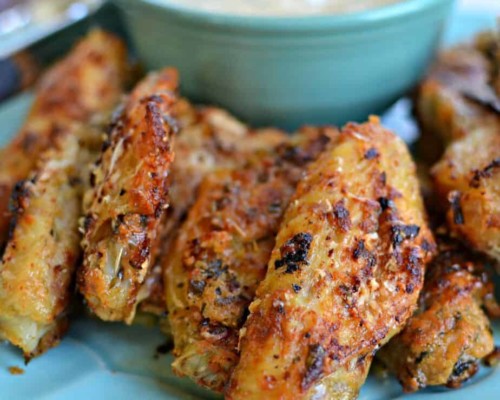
point(209, 139)
point(222, 251)
point(344, 275)
point(89, 80)
point(489, 44)
point(38, 265)
point(448, 335)
point(467, 177)
point(128, 198)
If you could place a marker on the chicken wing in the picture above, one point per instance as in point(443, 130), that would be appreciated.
point(38, 265)
point(89, 80)
point(450, 333)
point(222, 251)
point(209, 139)
point(467, 177)
point(489, 44)
point(344, 275)
point(124, 207)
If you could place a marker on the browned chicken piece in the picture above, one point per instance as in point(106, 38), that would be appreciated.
point(469, 72)
point(38, 265)
point(222, 250)
point(128, 198)
point(446, 115)
point(489, 44)
point(449, 334)
point(209, 139)
point(344, 275)
point(89, 80)
point(446, 109)
point(467, 177)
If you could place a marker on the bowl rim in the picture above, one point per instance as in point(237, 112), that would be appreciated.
point(372, 17)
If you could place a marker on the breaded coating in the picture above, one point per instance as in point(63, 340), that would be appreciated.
point(89, 80)
point(128, 198)
point(344, 275)
point(209, 139)
point(445, 114)
point(449, 334)
point(489, 44)
point(467, 175)
point(467, 179)
point(222, 251)
point(469, 72)
point(38, 265)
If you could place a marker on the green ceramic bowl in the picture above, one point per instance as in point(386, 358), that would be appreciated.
point(289, 71)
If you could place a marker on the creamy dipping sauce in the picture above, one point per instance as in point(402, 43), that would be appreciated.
point(282, 7)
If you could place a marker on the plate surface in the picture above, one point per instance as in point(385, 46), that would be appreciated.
point(100, 360)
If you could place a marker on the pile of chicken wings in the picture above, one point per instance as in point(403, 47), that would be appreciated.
point(283, 264)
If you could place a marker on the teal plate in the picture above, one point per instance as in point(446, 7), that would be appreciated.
point(100, 360)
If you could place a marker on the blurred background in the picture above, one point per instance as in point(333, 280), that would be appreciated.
point(24, 21)
point(31, 17)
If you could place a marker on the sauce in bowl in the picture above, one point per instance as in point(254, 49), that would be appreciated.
point(282, 8)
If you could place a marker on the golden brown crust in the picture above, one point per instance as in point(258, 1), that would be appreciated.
point(89, 80)
point(209, 139)
point(467, 180)
point(344, 275)
point(456, 105)
point(449, 334)
point(222, 251)
point(467, 71)
point(489, 44)
point(125, 206)
point(38, 265)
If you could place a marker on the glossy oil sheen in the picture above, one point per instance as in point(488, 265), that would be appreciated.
point(291, 71)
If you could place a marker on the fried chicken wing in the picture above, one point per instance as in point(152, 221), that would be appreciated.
point(128, 198)
point(209, 139)
point(450, 333)
point(38, 265)
point(489, 44)
point(222, 251)
point(89, 80)
point(344, 275)
point(467, 176)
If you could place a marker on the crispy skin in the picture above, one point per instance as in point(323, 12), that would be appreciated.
point(354, 240)
point(467, 176)
point(454, 99)
point(209, 139)
point(38, 265)
point(124, 208)
point(489, 44)
point(221, 254)
point(87, 81)
point(469, 72)
point(445, 114)
point(450, 333)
